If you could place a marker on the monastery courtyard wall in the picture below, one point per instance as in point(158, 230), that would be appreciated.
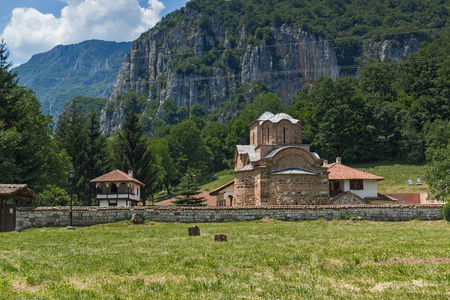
point(85, 216)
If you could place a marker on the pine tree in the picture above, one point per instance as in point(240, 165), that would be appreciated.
point(97, 160)
point(190, 191)
point(27, 152)
point(71, 135)
point(131, 151)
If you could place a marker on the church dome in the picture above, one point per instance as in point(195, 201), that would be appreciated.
point(266, 116)
point(282, 116)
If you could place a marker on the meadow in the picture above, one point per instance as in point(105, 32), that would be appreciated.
point(264, 259)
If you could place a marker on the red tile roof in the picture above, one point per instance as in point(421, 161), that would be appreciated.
point(116, 176)
point(340, 172)
point(215, 192)
point(210, 200)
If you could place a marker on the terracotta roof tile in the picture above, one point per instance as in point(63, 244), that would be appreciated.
point(340, 171)
point(116, 176)
point(216, 191)
point(210, 200)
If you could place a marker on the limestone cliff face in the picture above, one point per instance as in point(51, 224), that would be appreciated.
point(391, 48)
point(286, 62)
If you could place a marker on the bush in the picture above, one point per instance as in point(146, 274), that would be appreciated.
point(54, 196)
point(446, 211)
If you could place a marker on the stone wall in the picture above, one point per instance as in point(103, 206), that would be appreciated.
point(85, 216)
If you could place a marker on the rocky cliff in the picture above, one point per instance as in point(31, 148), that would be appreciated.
point(202, 62)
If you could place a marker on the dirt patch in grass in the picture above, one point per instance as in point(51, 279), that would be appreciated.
point(266, 220)
point(23, 287)
point(400, 285)
point(410, 261)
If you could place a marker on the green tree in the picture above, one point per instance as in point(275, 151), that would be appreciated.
point(334, 116)
point(97, 159)
point(131, 151)
point(71, 135)
point(214, 137)
point(438, 173)
point(53, 196)
point(168, 175)
point(27, 152)
point(188, 195)
point(187, 147)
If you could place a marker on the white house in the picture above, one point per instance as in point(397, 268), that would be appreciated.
point(118, 188)
point(354, 186)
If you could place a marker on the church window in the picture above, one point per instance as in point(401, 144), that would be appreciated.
point(284, 135)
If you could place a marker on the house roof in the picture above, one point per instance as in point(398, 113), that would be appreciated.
point(341, 172)
point(16, 191)
point(116, 176)
point(293, 171)
point(215, 192)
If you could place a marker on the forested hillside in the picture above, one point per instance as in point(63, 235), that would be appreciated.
point(206, 51)
point(89, 69)
point(369, 80)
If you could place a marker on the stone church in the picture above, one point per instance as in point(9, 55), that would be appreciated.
point(276, 168)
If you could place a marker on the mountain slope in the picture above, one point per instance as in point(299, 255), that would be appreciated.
point(204, 52)
point(86, 69)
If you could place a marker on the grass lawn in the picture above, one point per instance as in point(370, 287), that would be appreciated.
point(263, 259)
point(396, 176)
point(223, 177)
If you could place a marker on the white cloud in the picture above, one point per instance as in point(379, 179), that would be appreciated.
point(31, 31)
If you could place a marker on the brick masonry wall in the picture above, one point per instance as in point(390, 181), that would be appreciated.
point(85, 216)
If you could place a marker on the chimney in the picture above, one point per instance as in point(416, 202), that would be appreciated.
point(325, 162)
point(130, 173)
point(338, 160)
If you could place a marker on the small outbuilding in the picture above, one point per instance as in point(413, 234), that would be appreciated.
point(118, 188)
point(11, 196)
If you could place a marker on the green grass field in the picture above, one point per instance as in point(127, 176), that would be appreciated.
point(396, 176)
point(263, 259)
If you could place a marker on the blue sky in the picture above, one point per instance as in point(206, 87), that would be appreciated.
point(34, 26)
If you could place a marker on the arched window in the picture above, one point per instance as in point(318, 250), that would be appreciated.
point(268, 135)
point(113, 188)
point(284, 135)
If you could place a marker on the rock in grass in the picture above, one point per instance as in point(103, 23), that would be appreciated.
point(137, 218)
point(194, 230)
point(220, 237)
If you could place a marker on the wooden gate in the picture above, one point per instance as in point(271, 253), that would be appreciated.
point(8, 217)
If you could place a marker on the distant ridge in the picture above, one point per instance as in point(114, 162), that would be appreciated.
point(86, 69)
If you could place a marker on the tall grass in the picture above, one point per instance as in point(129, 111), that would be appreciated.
point(261, 260)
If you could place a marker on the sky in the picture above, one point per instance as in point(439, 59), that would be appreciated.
point(34, 26)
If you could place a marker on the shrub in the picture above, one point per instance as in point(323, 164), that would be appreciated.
point(54, 196)
point(446, 211)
